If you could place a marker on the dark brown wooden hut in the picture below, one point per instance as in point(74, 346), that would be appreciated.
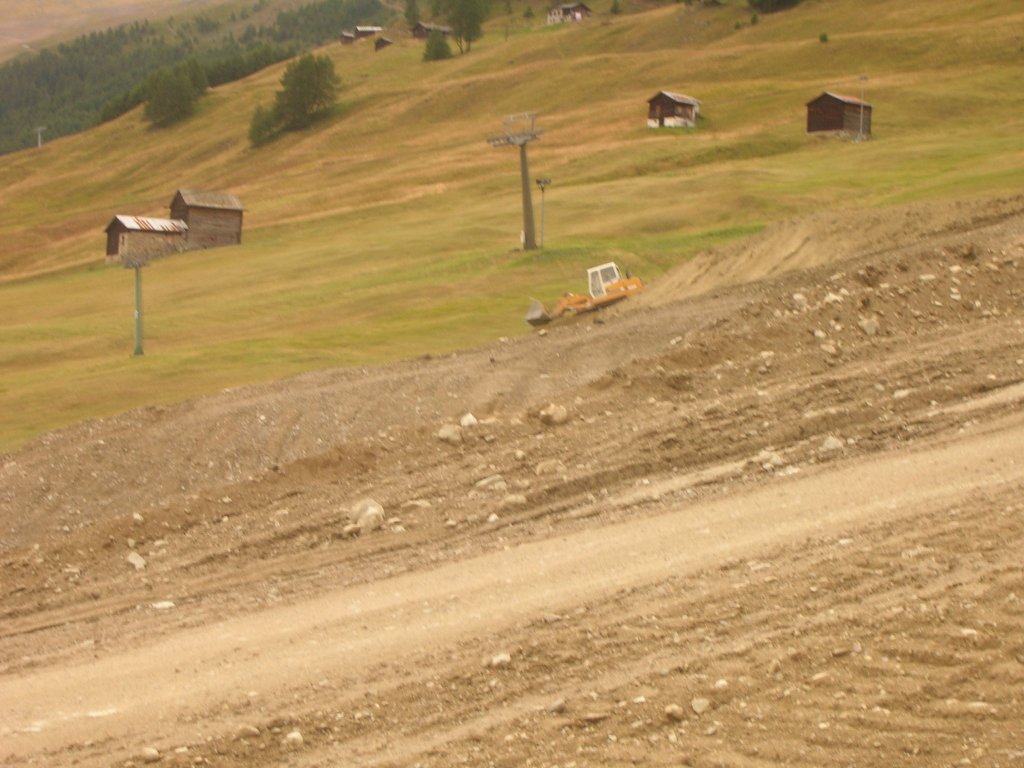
point(422, 30)
point(213, 218)
point(672, 110)
point(835, 113)
point(139, 239)
point(381, 42)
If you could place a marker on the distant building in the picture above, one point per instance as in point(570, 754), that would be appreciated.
point(565, 12)
point(672, 110)
point(213, 218)
point(835, 113)
point(138, 239)
point(368, 31)
point(347, 38)
point(381, 42)
point(422, 30)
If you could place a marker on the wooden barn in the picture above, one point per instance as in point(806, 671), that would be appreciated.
point(368, 31)
point(138, 239)
point(347, 38)
point(213, 218)
point(381, 42)
point(566, 12)
point(835, 113)
point(423, 30)
point(672, 110)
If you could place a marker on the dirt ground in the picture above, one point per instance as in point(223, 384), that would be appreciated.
point(769, 513)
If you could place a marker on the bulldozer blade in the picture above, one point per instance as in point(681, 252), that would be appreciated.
point(537, 314)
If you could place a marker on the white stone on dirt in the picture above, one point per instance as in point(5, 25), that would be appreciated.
point(700, 705)
point(501, 660)
point(800, 300)
point(769, 460)
point(136, 560)
point(721, 684)
point(557, 707)
point(675, 712)
point(495, 483)
point(368, 514)
point(832, 443)
point(554, 414)
point(149, 755)
point(468, 420)
point(247, 732)
point(293, 740)
point(870, 326)
point(550, 467)
point(451, 434)
point(162, 605)
point(493, 518)
point(137, 517)
point(514, 500)
point(416, 504)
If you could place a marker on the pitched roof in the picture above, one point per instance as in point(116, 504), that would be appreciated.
point(195, 198)
point(847, 99)
point(149, 224)
point(677, 97)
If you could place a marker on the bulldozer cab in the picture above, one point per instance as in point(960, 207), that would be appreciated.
point(600, 277)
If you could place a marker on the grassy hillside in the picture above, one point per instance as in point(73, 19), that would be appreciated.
point(392, 230)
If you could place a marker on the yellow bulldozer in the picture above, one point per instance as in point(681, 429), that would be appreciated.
point(606, 286)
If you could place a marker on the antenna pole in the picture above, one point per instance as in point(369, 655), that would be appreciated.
point(39, 135)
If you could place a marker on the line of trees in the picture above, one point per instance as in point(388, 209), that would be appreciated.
point(98, 76)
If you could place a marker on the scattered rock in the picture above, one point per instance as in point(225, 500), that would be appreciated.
point(550, 467)
point(800, 301)
point(416, 504)
point(451, 434)
point(675, 712)
point(136, 560)
point(554, 414)
point(500, 660)
point(150, 755)
point(368, 514)
point(832, 443)
point(293, 740)
point(700, 705)
point(468, 420)
point(870, 326)
point(514, 500)
point(247, 732)
point(162, 605)
point(557, 707)
point(495, 483)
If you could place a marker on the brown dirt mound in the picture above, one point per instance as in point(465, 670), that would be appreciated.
point(777, 525)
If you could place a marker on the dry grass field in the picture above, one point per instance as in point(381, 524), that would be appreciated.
point(393, 228)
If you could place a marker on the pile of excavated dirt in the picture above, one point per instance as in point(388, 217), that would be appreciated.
point(769, 512)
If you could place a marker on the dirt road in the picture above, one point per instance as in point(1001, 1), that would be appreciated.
point(780, 523)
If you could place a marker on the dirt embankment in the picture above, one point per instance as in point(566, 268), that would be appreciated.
point(779, 524)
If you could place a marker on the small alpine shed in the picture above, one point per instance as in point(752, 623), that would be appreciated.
point(138, 239)
point(422, 30)
point(566, 12)
point(672, 110)
point(835, 113)
point(213, 218)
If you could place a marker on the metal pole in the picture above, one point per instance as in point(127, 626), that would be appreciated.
point(529, 238)
point(138, 310)
point(542, 217)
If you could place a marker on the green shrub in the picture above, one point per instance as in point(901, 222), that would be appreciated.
point(437, 47)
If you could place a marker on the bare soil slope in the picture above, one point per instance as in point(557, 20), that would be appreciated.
point(780, 522)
